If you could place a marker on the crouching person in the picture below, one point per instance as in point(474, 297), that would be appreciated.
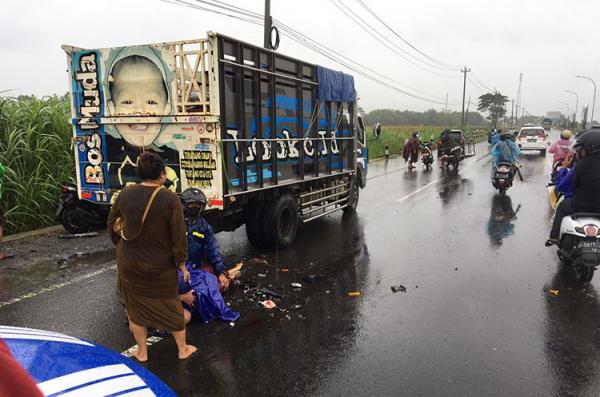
point(208, 276)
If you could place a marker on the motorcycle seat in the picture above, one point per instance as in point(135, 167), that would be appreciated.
point(585, 215)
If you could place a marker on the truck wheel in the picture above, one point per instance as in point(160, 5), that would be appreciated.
point(253, 215)
point(280, 221)
point(352, 197)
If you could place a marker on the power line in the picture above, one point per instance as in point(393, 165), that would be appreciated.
point(306, 41)
point(365, 26)
point(480, 83)
point(447, 65)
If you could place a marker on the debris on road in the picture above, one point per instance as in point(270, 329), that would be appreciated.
point(269, 304)
point(295, 307)
point(554, 292)
point(258, 261)
point(285, 270)
point(296, 285)
point(78, 235)
point(261, 275)
point(355, 293)
point(398, 288)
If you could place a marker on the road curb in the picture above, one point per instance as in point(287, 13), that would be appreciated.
point(32, 233)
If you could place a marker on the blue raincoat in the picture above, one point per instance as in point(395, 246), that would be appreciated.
point(564, 181)
point(203, 247)
point(506, 151)
point(209, 303)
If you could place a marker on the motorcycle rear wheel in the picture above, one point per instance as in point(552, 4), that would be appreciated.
point(73, 220)
point(584, 273)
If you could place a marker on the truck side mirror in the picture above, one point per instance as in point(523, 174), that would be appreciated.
point(361, 123)
point(377, 130)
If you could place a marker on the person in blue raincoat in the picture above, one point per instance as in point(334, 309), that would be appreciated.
point(208, 276)
point(506, 151)
point(495, 137)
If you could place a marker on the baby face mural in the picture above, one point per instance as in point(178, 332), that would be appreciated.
point(137, 88)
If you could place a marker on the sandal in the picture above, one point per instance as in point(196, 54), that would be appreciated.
point(550, 242)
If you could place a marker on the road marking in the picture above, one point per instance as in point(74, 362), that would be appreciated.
point(418, 190)
point(56, 286)
point(150, 341)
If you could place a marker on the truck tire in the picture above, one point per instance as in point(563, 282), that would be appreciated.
point(353, 194)
point(280, 221)
point(257, 236)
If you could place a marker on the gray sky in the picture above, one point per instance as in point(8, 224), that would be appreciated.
point(549, 41)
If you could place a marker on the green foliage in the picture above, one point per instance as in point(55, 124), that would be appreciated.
point(493, 103)
point(35, 148)
point(430, 117)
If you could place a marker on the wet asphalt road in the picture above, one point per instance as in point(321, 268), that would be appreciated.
point(476, 318)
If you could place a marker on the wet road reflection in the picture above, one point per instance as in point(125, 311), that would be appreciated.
point(295, 350)
point(501, 223)
point(572, 336)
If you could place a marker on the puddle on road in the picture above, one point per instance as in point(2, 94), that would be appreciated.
point(15, 282)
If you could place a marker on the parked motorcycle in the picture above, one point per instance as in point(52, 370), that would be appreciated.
point(79, 216)
point(427, 154)
point(579, 244)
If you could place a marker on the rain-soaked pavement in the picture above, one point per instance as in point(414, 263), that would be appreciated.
point(476, 318)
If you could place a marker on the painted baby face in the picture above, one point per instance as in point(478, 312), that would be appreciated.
point(138, 89)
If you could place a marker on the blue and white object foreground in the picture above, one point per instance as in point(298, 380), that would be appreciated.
point(66, 366)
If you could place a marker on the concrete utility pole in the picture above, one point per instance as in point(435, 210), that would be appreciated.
point(518, 104)
point(594, 101)
point(512, 113)
point(576, 107)
point(268, 23)
point(465, 70)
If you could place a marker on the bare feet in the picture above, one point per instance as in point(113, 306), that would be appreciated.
point(235, 271)
point(141, 358)
point(189, 352)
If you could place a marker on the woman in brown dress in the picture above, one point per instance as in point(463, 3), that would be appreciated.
point(149, 256)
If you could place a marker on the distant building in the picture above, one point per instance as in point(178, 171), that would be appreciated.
point(554, 116)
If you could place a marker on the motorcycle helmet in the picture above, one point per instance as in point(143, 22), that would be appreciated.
point(589, 140)
point(505, 135)
point(566, 134)
point(194, 202)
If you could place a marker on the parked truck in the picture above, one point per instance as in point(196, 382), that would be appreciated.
point(271, 140)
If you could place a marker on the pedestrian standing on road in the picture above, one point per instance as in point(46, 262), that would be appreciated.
point(146, 224)
point(411, 150)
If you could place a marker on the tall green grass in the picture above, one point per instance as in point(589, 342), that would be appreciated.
point(35, 148)
point(397, 135)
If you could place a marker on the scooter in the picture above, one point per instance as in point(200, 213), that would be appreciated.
point(79, 216)
point(579, 244)
point(503, 177)
point(427, 154)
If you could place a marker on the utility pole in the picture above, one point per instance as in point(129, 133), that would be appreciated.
point(518, 104)
point(268, 23)
point(594, 101)
point(462, 117)
point(446, 106)
point(576, 106)
point(512, 113)
point(467, 113)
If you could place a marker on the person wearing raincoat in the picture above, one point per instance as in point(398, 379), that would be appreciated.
point(208, 276)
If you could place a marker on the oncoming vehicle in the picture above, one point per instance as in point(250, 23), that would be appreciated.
point(547, 124)
point(533, 138)
point(65, 365)
point(271, 140)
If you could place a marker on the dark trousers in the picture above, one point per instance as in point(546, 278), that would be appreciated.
point(564, 209)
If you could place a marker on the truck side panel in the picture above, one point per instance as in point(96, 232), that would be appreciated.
point(274, 129)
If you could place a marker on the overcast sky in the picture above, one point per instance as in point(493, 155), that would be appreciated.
point(548, 41)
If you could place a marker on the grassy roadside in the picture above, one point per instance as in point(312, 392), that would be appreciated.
point(397, 135)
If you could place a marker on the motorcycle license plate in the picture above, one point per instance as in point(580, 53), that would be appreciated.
point(590, 246)
point(502, 176)
point(531, 140)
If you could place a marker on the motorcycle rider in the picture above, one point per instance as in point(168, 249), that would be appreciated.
point(586, 182)
point(495, 137)
point(505, 151)
point(447, 142)
point(561, 148)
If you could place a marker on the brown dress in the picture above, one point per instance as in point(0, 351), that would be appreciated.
point(147, 265)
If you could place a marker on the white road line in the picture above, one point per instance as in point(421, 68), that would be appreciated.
point(418, 190)
point(56, 286)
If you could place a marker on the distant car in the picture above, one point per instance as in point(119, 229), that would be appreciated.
point(533, 138)
point(64, 364)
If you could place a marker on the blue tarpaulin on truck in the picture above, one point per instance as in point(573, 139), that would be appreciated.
point(335, 86)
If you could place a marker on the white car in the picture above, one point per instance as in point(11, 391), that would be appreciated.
point(533, 138)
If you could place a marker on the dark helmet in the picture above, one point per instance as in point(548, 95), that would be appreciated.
point(505, 135)
point(193, 195)
point(589, 140)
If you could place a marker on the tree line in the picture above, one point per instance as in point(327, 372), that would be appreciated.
point(429, 117)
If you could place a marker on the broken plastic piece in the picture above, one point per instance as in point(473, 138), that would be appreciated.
point(269, 304)
point(285, 270)
point(554, 292)
point(355, 293)
point(398, 288)
point(262, 275)
point(258, 261)
point(296, 285)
